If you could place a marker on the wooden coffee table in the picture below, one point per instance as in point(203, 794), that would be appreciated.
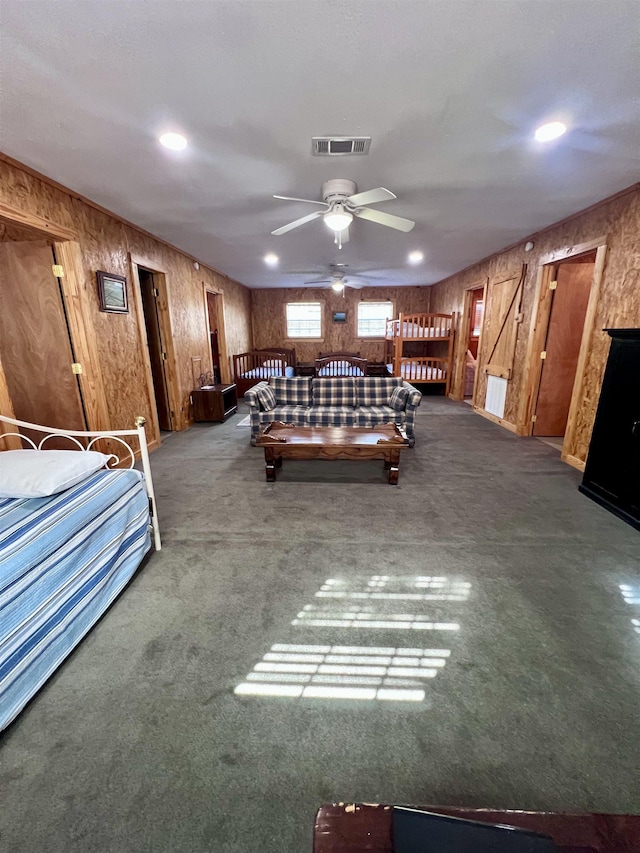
point(287, 441)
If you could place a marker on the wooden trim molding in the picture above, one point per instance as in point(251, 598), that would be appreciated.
point(82, 332)
point(144, 349)
point(496, 420)
point(37, 223)
point(538, 333)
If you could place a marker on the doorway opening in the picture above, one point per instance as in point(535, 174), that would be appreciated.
point(476, 316)
point(213, 318)
point(157, 351)
point(40, 367)
point(570, 289)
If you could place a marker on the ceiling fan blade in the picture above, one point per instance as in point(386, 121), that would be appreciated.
point(306, 200)
point(319, 281)
point(371, 197)
point(397, 222)
point(356, 285)
point(296, 223)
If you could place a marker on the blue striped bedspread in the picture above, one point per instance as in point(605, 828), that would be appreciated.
point(63, 560)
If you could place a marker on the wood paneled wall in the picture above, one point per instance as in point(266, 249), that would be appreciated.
point(617, 220)
point(268, 311)
point(107, 243)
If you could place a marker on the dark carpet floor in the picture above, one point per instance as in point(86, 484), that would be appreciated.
point(139, 743)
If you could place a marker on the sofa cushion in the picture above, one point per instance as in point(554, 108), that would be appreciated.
point(398, 398)
point(369, 416)
point(334, 392)
point(375, 390)
point(286, 414)
point(266, 397)
point(331, 416)
point(291, 391)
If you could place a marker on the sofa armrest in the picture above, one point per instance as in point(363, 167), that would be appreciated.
point(413, 400)
point(251, 397)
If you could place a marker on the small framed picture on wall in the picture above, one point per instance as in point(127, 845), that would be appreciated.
point(112, 290)
point(339, 316)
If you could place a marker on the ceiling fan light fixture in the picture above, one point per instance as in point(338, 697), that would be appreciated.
point(338, 219)
point(337, 286)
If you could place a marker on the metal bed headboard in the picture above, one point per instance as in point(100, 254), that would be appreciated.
point(113, 435)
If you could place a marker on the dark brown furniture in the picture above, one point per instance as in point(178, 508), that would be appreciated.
point(356, 828)
point(312, 442)
point(258, 365)
point(340, 364)
point(214, 402)
point(612, 472)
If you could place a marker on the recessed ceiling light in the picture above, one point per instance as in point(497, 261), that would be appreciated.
point(416, 257)
point(174, 141)
point(271, 260)
point(550, 130)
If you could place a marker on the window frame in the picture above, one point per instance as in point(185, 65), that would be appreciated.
point(381, 337)
point(290, 337)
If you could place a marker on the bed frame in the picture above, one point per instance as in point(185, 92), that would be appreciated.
point(15, 440)
point(245, 362)
point(425, 329)
point(340, 364)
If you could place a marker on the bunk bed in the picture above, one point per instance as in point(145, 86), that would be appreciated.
point(252, 367)
point(409, 350)
point(75, 524)
point(340, 364)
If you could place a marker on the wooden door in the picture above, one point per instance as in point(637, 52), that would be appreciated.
point(212, 316)
point(157, 352)
point(502, 319)
point(35, 348)
point(562, 347)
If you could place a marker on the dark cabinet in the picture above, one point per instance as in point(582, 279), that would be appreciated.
point(612, 472)
point(214, 402)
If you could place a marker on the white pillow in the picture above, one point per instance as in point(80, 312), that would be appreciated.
point(40, 473)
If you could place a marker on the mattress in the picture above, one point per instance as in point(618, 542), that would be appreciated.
point(416, 372)
point(415, 331)
point(340, 368)
point(63, 560)
point(266, 372)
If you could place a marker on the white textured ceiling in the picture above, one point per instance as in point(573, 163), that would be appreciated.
point(450, 91)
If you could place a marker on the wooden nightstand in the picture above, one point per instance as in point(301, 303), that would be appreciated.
point(214, 403)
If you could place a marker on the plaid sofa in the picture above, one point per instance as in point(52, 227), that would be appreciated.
point(344, 401)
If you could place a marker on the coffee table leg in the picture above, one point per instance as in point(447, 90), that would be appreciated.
point(394, 468)
point(270, 465)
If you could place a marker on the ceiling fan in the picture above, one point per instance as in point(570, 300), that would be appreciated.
point(342, 203)
point(339, 280)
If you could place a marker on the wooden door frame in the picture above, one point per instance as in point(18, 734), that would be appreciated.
point(160, 279)
point(461, 345)
point(538, 335)
point(225, 367)
point(81, 329)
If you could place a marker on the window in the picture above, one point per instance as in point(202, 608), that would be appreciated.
point(478, 310)
point(304, 320)
point(372, 318)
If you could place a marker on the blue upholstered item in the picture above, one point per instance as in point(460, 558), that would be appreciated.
point(266, 397)
point(398, 398)
point(334, 392)
point(294, 391)
point(326, 403)
point(63, 560)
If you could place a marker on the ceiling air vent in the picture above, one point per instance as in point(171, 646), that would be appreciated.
point(334, 146)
